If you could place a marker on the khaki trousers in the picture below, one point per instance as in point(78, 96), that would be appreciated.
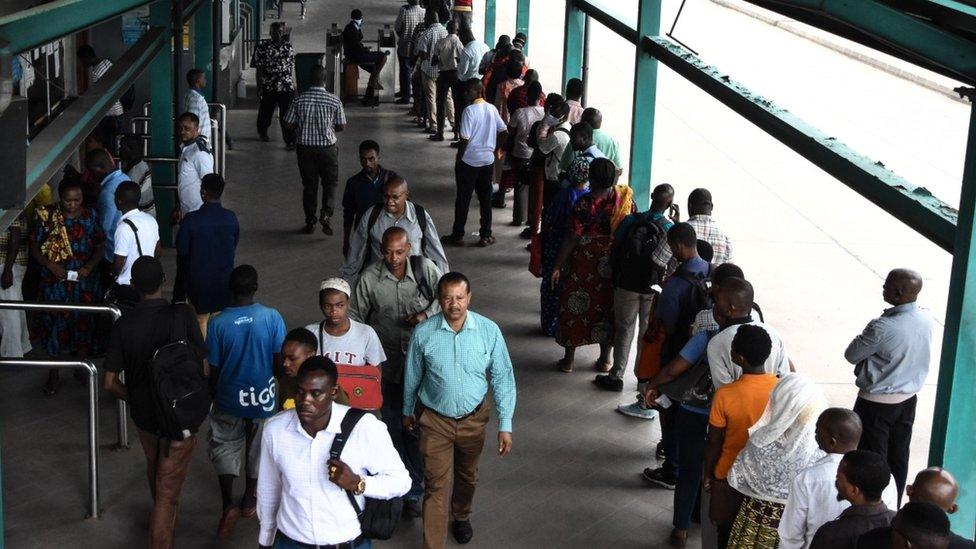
point(166, 470)
point(451, 450)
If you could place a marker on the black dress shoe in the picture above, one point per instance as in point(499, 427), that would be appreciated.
point(437, 137)
point(309, 228)
point(412, 509)
point(452, 240)
point(604, 381)
point(264, 137)
point(462, 531)
point(403, 101)
point(326, 227)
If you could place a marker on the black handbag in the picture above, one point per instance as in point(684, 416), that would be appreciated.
point(694, 387)
point(380, 517)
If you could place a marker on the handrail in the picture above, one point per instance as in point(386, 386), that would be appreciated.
point(122, 428)
point(93, 511)
point(221, 158)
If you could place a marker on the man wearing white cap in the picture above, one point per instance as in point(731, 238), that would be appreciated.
point(340, 338)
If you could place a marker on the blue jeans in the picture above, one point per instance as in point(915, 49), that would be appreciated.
point(282, 543)
point(406, 68)
point(690, 432)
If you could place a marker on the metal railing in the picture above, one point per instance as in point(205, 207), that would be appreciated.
point(220, 145)
point(87, 365)
point(122, 427)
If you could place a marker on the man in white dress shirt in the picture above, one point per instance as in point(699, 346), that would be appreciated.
point(136, 235)
point(813, 497)
point(302, 499)
point(195, 162)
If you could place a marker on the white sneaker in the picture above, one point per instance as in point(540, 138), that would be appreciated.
point(635, 409)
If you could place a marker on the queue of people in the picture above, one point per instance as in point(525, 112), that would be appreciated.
point(383, 403)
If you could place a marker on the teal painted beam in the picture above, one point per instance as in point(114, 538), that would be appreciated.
point(522, 8)
point(620, 23)
point(161, 110)
point(574, 43)
point(887, 28)
point(645, 100)
point(952, 443)
point(911, 204)
point(490, 13)
point(205, 57)
point(39, 25)
point(57, 142)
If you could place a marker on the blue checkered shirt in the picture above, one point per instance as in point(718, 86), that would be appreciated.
point(314, 113)
point(448, 371)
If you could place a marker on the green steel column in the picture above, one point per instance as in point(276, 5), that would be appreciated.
point(162, 127)
point(574, 43)
point(490, 22)
point(204, 56)
point(953, 444)
point(522, 20)
point(645, 97)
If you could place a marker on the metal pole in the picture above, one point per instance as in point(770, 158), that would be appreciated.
point(93, 483)
point(645, 98)
point(122, 428)
point(952, 443)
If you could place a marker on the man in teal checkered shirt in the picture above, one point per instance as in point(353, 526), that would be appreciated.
point(453, 356)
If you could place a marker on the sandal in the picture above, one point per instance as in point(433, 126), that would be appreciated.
point(565, 366)
point(486, 241)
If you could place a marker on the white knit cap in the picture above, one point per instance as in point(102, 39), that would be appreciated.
point(336, 283)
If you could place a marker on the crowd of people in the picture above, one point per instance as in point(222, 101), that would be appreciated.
point(380, 408)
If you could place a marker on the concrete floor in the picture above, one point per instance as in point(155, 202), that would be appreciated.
point(815, 251)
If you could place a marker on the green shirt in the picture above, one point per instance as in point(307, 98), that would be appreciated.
point(603, 141)
point(384, 303)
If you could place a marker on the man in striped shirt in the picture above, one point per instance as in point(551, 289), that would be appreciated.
point(111, 124)
point(195, 102)
point(429, 71)
point(316, 115)
point(411, 14)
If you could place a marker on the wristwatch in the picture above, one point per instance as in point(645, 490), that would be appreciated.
point(360, 487)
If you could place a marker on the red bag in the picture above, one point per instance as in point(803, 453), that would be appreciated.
point(362, 384)
point(535, 256)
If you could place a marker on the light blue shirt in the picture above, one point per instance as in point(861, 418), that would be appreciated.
point(470, 59)
point(892, 354)
point(108, 215)
point(448, 371)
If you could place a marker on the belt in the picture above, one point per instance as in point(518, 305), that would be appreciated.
point(465, 416)
point(344, 545)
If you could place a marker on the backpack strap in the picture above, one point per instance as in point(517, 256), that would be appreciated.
point(374, 214)
point(136, 232)
point(420, 275)
point(421, 214)
point(348, 424)
point(177, 329)
point(762, 317)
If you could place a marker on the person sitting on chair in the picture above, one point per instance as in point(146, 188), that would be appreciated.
point(355, 52)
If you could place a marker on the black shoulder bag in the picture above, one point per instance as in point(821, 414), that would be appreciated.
point(380, 517)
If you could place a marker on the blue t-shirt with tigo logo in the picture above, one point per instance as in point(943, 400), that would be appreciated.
point(242, 342)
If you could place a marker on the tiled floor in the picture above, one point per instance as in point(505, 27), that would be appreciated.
point(573, 478)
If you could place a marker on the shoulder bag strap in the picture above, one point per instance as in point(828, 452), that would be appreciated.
point(422, 221)
point(321, 337)
point(348, 424)
point(374, 214)
point(136, 232)
point(420, 275)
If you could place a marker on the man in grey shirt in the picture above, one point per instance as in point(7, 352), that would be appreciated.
point(892, 357)
point(393, 296)
point(395, 211)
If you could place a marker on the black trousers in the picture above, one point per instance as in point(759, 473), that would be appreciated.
point(447, 83)
point(471, 179)
point(888, 432)
point(269, 101)
point(407, 443)
point(318, 165)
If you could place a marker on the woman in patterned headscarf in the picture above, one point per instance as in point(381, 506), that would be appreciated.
point(68, 242)
point(586, 297)
point(554, 219)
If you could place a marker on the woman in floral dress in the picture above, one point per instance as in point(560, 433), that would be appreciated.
point(67, 241)
point(586, 298)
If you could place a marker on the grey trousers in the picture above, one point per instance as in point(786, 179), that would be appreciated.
point(630, 310)
point(232, 436)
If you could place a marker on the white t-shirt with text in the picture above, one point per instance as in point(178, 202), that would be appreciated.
point(357, 347)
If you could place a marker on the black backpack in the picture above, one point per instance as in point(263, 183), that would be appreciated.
point(631, 255)
point(423, 285)
point(180, 391)
point(374, 214)
point(701, 298)
point(380, 517)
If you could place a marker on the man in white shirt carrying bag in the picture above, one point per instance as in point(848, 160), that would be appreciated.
point(813, 497)
point(305, 498)
point(136, 235)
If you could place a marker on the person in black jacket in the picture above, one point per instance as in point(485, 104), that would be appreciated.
point(355, 52)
